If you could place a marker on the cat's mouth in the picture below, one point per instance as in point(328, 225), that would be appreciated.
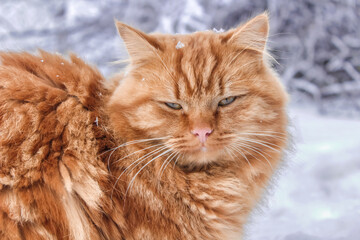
point(199, 153)
point(206, 148)
point(194, 151)
point(193, 146)
point(203, 148)
point(196, 148)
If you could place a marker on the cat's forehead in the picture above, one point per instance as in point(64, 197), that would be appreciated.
point(183, 43)
point(197, 65)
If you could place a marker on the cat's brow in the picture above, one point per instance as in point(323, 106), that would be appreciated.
point(197, 71)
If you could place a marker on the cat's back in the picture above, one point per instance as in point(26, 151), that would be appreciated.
point(48, 146)
point(45, 101)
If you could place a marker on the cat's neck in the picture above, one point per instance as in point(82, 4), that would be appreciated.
point(213, 196)
point(219, 196)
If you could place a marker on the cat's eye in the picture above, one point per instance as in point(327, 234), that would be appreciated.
point(226, 101)
point(175, 106)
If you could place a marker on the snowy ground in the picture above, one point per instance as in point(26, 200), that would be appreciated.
point(317, 196)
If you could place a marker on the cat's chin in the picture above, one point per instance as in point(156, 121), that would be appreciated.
point(202, 156)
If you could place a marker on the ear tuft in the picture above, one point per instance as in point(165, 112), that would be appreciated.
point(138, 44)
point(253, 34)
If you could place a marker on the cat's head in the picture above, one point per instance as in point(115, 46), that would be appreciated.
point(203, 95)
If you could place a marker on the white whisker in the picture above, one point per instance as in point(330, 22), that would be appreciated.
point(230, 153)
point(138, 151)
point(242, 154)
point(253, 148)
point(141, 160)
point(273, 132)
point(262, 143)
point(127, 144)
point(134, 177)
point(263, 134)
point(178, 157)
point(173, 154)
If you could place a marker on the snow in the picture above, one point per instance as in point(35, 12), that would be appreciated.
point(179, 45)
point(76, 10)
point(97, 121)
point(192, 16)
point(218, 31)
point(315, 42)
point(317, 195)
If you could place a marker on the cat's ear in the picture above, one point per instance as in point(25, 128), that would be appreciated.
point(253, 34)
point(138, 44)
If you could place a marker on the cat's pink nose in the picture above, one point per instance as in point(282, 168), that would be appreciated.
point(202, 133)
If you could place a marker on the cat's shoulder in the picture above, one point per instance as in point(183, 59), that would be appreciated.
point(29, 77)
point(48, 105)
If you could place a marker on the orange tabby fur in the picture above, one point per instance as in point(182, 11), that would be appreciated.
point(66, 173)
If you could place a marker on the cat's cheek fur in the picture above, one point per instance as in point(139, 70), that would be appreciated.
point(145, 118)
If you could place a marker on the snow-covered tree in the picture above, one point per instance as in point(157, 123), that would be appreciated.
point(317, 43)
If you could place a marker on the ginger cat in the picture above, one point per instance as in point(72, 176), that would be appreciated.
point(180, 146)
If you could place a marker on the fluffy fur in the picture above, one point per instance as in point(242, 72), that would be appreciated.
point(83, 159)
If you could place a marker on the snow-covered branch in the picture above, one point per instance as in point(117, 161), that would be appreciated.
point(317, 43)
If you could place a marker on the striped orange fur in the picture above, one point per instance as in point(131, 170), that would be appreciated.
point(179, 146)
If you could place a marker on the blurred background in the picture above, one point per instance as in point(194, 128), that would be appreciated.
point(317, 46)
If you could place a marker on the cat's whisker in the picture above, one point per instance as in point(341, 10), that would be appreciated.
point(243, 146)
point(127, 144)
point(270, 132)
point(263, 134)
point(230, 153)
point(134, 177)
point(145, 156)
point(178, 157)
point(262, 143)
point(266, 131)
point(133, 142)
point(160, 150)
point(138, 151)
point(173, 154)
point(141, 160)
point(238, 150)
point(245, 149)
point(255, 149)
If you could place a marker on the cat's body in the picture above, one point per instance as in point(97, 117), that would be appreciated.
point(67, 174)
point(51, 175)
